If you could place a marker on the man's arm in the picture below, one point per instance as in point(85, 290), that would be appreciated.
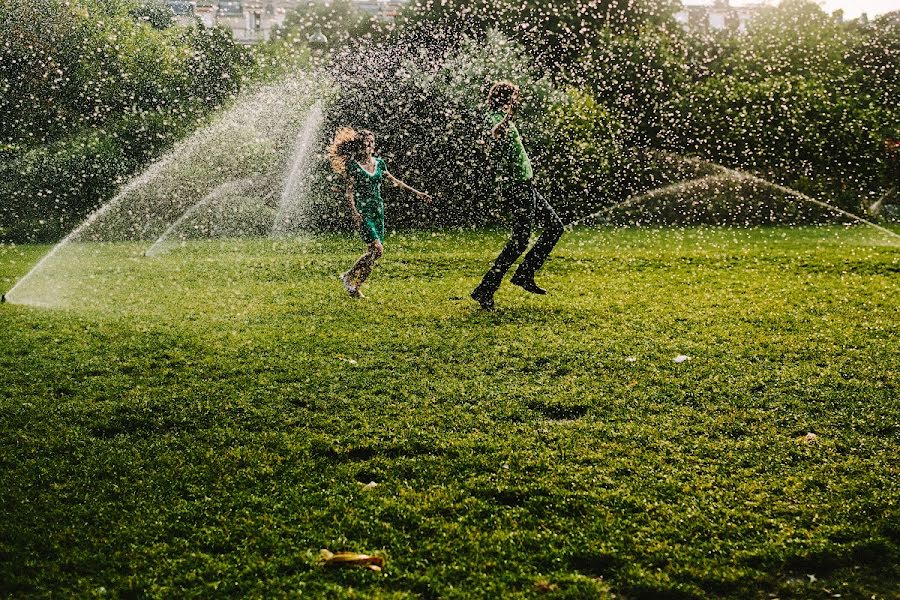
point(500, 127)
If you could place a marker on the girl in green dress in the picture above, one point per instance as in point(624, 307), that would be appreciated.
point(352, 154)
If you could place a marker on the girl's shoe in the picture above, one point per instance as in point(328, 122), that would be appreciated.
point(351, 289)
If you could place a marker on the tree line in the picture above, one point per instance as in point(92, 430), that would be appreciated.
point(94, 90)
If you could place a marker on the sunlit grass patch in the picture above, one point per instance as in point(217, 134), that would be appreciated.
point(205, 421)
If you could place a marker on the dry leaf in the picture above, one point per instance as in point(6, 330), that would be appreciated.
point(351, 559)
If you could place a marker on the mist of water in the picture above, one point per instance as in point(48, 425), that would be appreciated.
point(211, 203)
point(292, 215)
point(706, 188)
point(266, 137)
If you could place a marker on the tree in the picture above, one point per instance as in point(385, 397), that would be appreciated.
point(635, 76)
point(339, 21)
point(875, 56)
point(795, 38)
point(555, 32)
point(154, 13)
point(794, 130)
point(89, 95)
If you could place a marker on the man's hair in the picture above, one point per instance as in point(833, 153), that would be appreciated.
point(501, 93)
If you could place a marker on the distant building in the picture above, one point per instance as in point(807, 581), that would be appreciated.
point(718, 16)
point(385, 10)
point(250, 21)
point(182, 10)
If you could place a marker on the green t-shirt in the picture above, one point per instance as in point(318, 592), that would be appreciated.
point(512, 163)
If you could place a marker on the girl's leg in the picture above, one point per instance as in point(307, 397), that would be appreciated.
point(361, 270)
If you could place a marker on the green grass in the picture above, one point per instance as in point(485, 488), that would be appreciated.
point(202, 423)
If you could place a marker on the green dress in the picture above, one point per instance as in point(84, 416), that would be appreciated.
point(511, 162)
point(367, 198)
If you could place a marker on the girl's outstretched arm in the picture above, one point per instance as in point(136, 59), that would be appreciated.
point(423, 196)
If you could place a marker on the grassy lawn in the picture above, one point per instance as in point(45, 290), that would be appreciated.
point(202, 423)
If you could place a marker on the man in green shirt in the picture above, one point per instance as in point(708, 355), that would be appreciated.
point(516, 180)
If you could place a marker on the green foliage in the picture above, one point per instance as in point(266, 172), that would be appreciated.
point(800, 98)
point(875, 58)
point(214, 67)
point(154, 13)
point(578, 148)
point(44, 196)
point(74, 72)
point(796, 38)
point(339, 21)
point(636, 75)
point(201, 424)
point(49, 187)
point(796, 130)
point(283, 54)
point(555, 32)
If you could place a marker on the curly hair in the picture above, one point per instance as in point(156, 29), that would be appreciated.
point(348, 144)
point(501, 93)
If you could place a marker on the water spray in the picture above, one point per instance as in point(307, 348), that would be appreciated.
point(296, 181)
point(247, 140)
point(637, 198)
point(786, 190)
point(224, 189)
point(722, 173)
point(154, 171)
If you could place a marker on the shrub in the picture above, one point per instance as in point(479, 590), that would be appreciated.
point(90, 95)
point(794, 130)
point(427, 111)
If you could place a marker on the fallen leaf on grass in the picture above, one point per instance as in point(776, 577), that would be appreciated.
point(368, 486)
point(351, 559)
point(809, 438)
point(680, 358)
point(345, 359)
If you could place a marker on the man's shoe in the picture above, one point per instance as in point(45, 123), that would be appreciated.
point(485, 300)
point(528, 285)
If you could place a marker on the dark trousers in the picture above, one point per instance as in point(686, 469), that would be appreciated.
point(528, 208)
